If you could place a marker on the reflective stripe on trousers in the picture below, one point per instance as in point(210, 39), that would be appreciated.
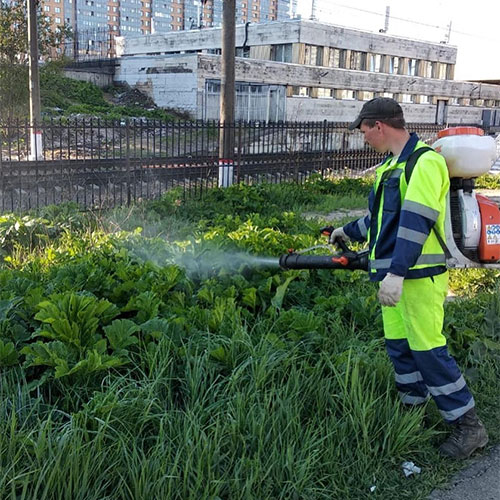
point(417, 348)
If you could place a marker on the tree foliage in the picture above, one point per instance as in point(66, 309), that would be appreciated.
point(14, 53)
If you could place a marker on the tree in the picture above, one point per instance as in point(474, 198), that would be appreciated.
point(14, 93)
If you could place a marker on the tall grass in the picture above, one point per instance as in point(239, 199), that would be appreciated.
point(276, 424)
point(239, 396)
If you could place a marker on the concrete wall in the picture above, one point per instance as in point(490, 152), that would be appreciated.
point(252, 70)
point(100, 79)
point(307, 109)
point(178, 81)
point(292, 31)
point(258, 34)
point(346, 38)
point(170, 81)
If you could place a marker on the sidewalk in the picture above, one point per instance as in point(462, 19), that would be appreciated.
point(480, 480)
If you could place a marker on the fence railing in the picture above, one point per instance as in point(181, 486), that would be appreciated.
point(102, 163)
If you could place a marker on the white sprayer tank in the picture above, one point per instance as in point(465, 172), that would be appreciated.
point(467, 151)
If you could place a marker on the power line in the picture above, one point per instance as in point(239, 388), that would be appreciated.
point(329, 10)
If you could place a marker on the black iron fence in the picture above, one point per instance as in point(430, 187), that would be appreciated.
point(102, 163)
point(90, 45)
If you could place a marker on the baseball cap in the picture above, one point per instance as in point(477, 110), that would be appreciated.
point(378, 109)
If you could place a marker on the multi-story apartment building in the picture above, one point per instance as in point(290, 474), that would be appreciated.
point(144, 17)
point(96, 23)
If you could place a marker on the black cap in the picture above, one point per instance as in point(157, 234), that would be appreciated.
point(378, 109)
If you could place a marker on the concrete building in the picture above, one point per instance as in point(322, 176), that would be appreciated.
point(304, 70)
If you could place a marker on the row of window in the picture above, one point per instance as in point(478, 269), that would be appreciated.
point(364, 61)
point(325, 93)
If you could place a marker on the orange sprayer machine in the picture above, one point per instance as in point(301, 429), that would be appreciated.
point(472, 220)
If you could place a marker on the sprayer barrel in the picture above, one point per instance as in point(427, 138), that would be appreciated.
point(299, 261)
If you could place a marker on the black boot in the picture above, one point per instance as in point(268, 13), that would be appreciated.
point(467, 436)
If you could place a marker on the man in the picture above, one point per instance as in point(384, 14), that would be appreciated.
point(405, 231)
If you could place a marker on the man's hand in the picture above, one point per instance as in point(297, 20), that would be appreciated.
point(390, 290)
point(338, 234)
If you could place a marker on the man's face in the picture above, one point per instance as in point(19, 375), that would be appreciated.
point(374, 136)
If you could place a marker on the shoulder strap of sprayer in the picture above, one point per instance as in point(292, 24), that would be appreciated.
point(410, 165)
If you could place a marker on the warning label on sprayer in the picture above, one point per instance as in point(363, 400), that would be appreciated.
point(492, 234)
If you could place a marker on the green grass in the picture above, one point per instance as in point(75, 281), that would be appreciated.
point(235, 382)
point(65, 96)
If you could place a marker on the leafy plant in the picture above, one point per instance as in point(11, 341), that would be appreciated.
point(70, 321)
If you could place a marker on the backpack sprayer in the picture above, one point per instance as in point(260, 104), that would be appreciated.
point(472, 224)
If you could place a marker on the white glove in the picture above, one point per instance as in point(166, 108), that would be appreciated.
point(390, 290)
point(338, 234)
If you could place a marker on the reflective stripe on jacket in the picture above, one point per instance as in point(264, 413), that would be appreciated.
point(401, 239)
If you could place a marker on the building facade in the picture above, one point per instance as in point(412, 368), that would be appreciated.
point(96, 23)
point(134, 17)
point(303, 70)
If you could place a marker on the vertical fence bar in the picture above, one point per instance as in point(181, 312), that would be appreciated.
point(127, 162)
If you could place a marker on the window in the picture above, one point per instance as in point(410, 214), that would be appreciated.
point(324, 93)
point(425, 69)
point(242, 52)
point(375, 63)
point(319, 56)
point(365, 96)
point(57, 10)
point(440, 71)
point(412, 67)
point(311, 52)
point(333, 59)
point(281, 52)
point(46, 8)
point(393, 65)
point(58, 20)
point(408, 98)
point(301, 91)
point(346, 94)
point(355, 62)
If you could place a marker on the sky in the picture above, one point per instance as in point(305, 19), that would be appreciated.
point(474, 29)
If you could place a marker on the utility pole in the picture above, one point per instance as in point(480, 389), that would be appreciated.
point(448, 35)
point(36, 151)
point(74, 24)
point(227, 94)
point(385, 29)
point(313, 10)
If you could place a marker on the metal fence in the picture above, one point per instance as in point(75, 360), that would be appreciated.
point(103, 163)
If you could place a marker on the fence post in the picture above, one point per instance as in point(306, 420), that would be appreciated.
point(238, 173)
point(323, 148)
point(127, 161)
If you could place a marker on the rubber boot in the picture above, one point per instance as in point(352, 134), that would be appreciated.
point(467, 436)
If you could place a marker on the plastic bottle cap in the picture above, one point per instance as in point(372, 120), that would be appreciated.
point(460, 131)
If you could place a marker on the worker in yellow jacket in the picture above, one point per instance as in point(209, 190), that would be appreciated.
point(405, 231)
